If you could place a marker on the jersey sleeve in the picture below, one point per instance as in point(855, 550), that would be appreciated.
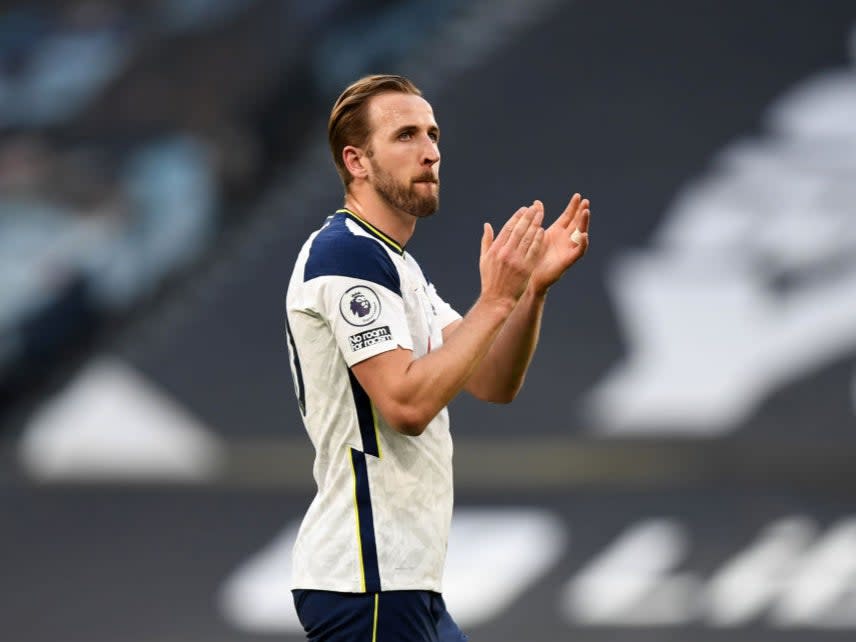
point(358, 292)
point(444, 312)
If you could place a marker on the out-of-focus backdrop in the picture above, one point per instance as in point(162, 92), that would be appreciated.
point(681, 463)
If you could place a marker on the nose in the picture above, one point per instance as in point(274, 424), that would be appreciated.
point(430, 153)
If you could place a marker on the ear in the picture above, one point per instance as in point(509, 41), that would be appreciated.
point(355, 161)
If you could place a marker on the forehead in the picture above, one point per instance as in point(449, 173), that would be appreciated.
point(391, 110)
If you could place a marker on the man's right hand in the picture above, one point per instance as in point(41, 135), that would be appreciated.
point(409, 391)
point(507, 261)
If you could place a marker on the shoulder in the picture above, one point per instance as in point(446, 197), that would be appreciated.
point(411, 260)
point(337, 251)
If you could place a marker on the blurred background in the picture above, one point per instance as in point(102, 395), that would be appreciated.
point(681, 464)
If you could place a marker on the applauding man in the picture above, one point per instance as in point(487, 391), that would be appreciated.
point(377, 355)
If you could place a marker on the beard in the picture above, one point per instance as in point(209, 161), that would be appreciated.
point(403, 196)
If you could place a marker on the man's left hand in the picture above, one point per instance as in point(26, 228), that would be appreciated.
point(565, 242)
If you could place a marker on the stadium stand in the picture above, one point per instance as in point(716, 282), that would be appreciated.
point(679, 463)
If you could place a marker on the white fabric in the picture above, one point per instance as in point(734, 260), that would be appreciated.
point(336, 321)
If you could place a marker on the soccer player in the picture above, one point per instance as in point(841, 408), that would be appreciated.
point(377, 355)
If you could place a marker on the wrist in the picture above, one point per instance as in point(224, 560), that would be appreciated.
point(537, 290)
point(500, 306)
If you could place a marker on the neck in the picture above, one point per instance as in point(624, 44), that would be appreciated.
point(398, 225)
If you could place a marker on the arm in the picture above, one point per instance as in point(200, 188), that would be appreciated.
point(410, 392)
point(501, 373)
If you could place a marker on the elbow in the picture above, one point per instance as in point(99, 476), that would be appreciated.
point(509, 393)
point(411, 429)
point(504, 395)
point(408, 420)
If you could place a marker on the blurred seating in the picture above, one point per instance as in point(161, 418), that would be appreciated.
point(55, 62)
point(133, 133)
point(92, 225)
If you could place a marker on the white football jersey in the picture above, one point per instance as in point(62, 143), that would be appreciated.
point(380, 519)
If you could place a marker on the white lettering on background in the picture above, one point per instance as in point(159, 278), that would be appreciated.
point(750, 281)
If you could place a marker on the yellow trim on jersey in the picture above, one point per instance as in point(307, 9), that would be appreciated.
point(373, 229)
point(357, 517)
point(374, 624)
point(376, 431)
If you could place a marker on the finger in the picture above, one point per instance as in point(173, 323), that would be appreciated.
point(532, 230)
point(539, 212)
point(521, 226)
point(566, 218)
point(505, 232)
point(533, 255)
point(582, 223)
point(584, 207)
point(583, 245)
point(487, 238)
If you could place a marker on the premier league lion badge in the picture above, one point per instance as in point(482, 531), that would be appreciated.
point(360, 305)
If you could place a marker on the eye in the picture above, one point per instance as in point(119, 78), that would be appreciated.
point(434, 136)
point(405, 136)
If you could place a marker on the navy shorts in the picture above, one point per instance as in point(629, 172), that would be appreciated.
point(389, 616)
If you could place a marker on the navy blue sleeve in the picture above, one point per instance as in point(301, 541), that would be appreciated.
point(337, 252)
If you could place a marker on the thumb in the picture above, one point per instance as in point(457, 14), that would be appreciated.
point(487, 238)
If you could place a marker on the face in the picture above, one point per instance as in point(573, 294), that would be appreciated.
point(403, 153)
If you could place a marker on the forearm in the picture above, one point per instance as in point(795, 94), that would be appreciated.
point(501, 373)
point(426, 385)
point(410, 392)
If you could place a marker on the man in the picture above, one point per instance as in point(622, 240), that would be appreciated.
point(377, 355)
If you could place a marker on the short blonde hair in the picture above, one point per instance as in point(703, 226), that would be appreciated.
point(349, 122)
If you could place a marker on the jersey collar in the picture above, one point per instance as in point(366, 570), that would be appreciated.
point(371, 229)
